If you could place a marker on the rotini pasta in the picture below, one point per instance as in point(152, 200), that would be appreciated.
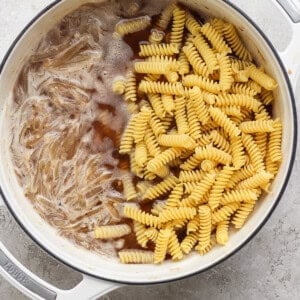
point(222, 232)
point(257, 126)
point(274, 148)
point(132, 25)
point(111, 231)
point(177, 213)
point(174, 246)
point(161, 245)
point(262, 78)
point(192, 25)
point(161, 88)
point(193, 122)
point(202, 82)
point(152, 67)
point(129, 189)
point(175, 196)
point(204, 226)
point(180, 115)
point(132, 256)
point(141, 216)
point(196, 98)
point(177, 26)
point(157, 105)
point(168, 104)
point(158, 49)
point(177, 140)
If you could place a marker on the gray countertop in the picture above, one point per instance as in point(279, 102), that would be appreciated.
point(266, 268)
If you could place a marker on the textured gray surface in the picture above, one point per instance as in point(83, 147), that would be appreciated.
point(266, 268)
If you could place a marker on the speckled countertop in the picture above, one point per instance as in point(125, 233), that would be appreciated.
point(266, 268)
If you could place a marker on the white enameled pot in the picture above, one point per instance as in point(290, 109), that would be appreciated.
point(101, 274)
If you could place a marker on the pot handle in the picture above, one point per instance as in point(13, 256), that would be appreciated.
point(290, 56)
point(35, 288)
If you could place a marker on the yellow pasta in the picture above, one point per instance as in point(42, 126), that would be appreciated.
point(217, 24)
point(191, 176)
point(193, 225)
point(161, 245)
point(206, 53)
point(128, 137)
point(193, 122)
point(177, 140)
point(135, 168)
point(204, 227)
point(259, 179)
point(161, 88)
point(226, 74)
point(257, 126)
point(196, 98)
point(266, 81)
point(166, 16)
point(192, 25)
point(132, 107)
point(156, 125)
point(177, 26)
point(174, 246)
point(237, 152)
point(111, 231)
point(220, 141)
point(177, 213)
point(199, 66)
point(207, 165)
point(161, 188)
point(158, 49)
point(223, 121)
point(225, 212)
point(173, 63)
point(191, 163)
point(180, 115)
point(156, 36)
point(242, 213)
point(151, 143)
point(274, 147)
point(141, 216)
point(267, 97)
point(157, 105)
point(140, 154)
point(119, 86)
point(168, 104)
point(184, 66)
point(175, 196)
point(242, 195)
point(139, 230)
point(243, 88)
point(202, 82)
point(189, 242)
point(241, 174)
point(235, 43)
point(135, 256)
point(141, 124)
point(152, 67)
point(132, 25)
point(163, 159)
point(212, 153)
point(129, 189)
point(151, 234)
point(130, 88)
point(222, 232)
point(172, 77)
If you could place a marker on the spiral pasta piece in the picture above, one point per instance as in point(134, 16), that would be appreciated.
point(177, 140)
point(259, 179)
point(222, 232)
point(141, 124)
point(242, 214)
point(191, 176)
point(127, 139)
point(237, 152)
point(129, 188)
point(177, 213)
point(235, 43)
point(204, 226)
point(193, 225)
point(219, 186)
point(241, 174)
point(257, 126)
point(168, 104)
point(161, 188)
point(151, 143)
point(157, 105)
point(151, 234)
point(125, 27)
point(226, 75)
point(139, 230)
point(195, 60)
point(156, 36)
point(111, 231)
point(163, 159)
point(136, 256)
point(243, 88)
point(130, 88)
point(192, 25)
point(156, 125)
point(215, 38)
point(142, 187)
point(202, 250)
point(201, 82)
point(184, 66)
point(206, 53)
point(152, 67)
point(189, 242)
point(196, 98)
point(193, 122)
point(140, 154)
point(267, 97)
point(207, 165)
point(242, 195)
point(172, 77)
point(166, 16)
point(135, 169)
point(256, 157)
point(223, 121)
point(158, 49)
point(239, 100)
point(161, 245)
point(173, 63)
point(119, 86)
point(191, 163)
point(177, 26)
point(217, 24)
point(266, 81)
point(174, 246)
point(180, 115)
point(220, 141)
point(132, 107)
point(161, 88)
point(274, 147)
point(213, 153)
point(225, 212)
point(175, 196)
point(201, 188)
point(141, 216)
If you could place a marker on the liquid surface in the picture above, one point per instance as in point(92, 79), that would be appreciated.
point(67, 123)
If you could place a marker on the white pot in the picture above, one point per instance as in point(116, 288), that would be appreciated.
point(101, 272)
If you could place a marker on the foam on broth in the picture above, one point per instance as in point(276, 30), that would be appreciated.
point(67, 123)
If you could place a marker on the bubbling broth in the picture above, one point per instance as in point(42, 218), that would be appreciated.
point(67, 123)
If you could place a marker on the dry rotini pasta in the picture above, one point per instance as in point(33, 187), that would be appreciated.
point(202, 143)
point(111, 231)
point(132, 25)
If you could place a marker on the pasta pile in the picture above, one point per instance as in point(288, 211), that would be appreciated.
point(201, 140)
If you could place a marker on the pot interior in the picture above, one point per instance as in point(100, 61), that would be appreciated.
point(105, 267)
